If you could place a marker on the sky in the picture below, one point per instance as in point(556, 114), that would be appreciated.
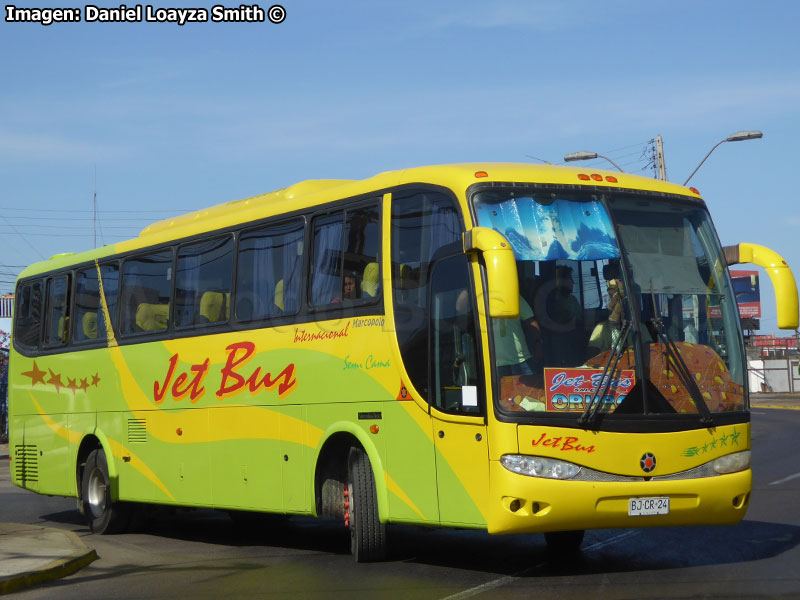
point(159, 119)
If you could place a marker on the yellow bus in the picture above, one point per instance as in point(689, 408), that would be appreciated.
point(513, 348)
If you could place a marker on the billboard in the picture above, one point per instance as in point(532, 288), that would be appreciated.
point(748, 296)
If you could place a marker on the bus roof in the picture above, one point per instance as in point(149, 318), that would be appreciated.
point(316, 192)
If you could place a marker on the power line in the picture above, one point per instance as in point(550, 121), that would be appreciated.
point(23, 238)
point(73, 228)
point(138, 220)
point(80, 235)
point(48, 210)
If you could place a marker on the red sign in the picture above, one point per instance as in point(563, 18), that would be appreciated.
point(571, 390)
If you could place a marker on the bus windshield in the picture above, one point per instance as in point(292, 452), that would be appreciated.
point(626, 307)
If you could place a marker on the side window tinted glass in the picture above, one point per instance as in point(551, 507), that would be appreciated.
point(454, 343)
point(89, 321)
point(146, 282)
point(326, 278)
point(203, 284)
point(110, 275)
point(57, 323)
point(269, 272)
point(421, 224)
point(362, 253)
point(346, 256)
point(28, 315)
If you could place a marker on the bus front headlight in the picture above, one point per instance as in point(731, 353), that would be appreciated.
point(538, 466)
point(732, 463)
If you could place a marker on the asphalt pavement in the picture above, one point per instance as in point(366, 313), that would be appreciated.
point(30, 554)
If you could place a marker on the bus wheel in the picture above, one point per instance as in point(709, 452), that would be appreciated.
point(102, 515)
point(367, 533)
point(562, 542)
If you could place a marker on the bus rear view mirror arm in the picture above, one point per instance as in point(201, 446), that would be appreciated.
point(501, 270)
point(779, 273)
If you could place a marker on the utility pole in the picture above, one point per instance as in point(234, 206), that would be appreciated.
point(661, 167)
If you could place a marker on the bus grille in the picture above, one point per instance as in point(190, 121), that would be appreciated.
point(137, 431)
point(26, 463)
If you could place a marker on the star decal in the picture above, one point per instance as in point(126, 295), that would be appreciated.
point(735, 437)
point(36, 375)
point(55, 379)
point(75, 384)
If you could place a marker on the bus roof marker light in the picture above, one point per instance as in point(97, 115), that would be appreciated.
point(695, 190)
point(597, 177)
point(611, 179)
point(481, 174)
point(583, 177)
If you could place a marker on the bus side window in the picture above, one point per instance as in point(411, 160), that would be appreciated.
point(345, 245)
point(454, 351)
point(86, 308)
point(56, 332)
point(269, 273)
point(88, 318)
point(361, 252)
point(146, 283)
point(326, 276)
point(28, 315)
point(203, 282)
point(422, 222)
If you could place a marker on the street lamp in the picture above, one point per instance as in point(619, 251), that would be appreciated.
point(739, 136)
point(583, 155)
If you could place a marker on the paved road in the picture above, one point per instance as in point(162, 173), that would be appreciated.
point(202, 555)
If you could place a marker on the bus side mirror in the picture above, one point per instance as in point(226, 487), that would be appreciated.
point(501, 270)
point(779, 273)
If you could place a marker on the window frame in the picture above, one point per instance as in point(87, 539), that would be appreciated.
point(45, 340)
point(123, 263)
point(344, 207)
point(232, 237)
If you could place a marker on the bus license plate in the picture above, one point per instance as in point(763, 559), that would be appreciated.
point(639, 507)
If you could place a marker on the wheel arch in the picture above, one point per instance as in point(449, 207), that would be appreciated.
point(331, 464)
point(96, 441)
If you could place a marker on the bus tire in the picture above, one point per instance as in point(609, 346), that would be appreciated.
point(564, 542)
point(102, 515)
point(367, 533)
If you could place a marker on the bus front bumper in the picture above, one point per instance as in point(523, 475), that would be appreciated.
point(522, 504)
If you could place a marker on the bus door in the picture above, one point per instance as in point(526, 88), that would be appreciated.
point(457, 394)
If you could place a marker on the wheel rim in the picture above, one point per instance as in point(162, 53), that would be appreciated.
point(96, 493)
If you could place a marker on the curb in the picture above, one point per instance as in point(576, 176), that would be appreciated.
point(774, 406)
point(55, 570)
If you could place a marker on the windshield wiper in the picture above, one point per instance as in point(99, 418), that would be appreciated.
point(589, 415)
point(674, 356)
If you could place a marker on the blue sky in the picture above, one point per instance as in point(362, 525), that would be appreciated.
point(177, 118)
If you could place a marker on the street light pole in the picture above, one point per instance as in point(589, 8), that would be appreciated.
point(739, 136)
point(583, 155)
